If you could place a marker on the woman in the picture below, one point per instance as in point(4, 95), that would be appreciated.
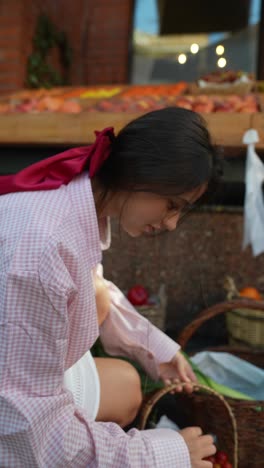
point(54, 222)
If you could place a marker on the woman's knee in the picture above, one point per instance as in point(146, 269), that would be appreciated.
point(121, 395)
point(132, 388)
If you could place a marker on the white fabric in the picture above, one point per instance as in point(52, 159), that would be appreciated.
point(82, 380)
point(254, 205)
point(232, 372)
point(166, 423)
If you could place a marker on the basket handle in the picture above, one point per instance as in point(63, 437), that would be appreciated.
point(150, 402)
point(215, 310)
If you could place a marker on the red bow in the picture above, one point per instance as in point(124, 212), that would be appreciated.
point(52, 172)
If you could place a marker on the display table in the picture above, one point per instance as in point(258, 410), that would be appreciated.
point(22, 124)
point(78, 129)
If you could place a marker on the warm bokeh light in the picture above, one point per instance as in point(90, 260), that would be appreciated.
point(220, 50)
point(182, 58)
point(194, 48)
point(221, 62)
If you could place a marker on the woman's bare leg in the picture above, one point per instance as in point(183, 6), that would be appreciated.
point(121, 395)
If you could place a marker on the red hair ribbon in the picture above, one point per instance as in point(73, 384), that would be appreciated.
point(51, 173)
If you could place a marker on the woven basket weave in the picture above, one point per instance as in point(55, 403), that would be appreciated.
point(238, 424)
point(245, 326)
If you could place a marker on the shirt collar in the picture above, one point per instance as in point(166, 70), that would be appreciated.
point(82, 198)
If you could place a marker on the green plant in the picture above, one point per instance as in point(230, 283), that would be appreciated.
point(40, 73)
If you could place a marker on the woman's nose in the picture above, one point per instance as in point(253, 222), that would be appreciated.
point(171, 222)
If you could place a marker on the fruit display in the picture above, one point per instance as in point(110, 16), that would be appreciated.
point(124, 99)
point(220, 460)
point(204, 104)
point(251, 293)
point(64, 100)
point(138, 295)
point(99, 93)
point(37, 104)
point(224, 82)
point(157, 91)
point(226, 76)
point(248, 291)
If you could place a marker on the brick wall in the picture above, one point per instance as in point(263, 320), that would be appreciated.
point(11, 14)
point(108, 34)
point(99, 32)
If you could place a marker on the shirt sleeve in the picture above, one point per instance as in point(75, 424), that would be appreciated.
point(127, 333)
point(40, 426)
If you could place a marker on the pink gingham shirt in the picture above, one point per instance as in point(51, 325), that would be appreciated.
point(49, 245)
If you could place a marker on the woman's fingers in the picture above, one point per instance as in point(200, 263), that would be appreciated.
point(191, 374)
point(182, 371)
point(207, 446)
point(206, 464)
point(188, 388)
point(180, 386)
point(200, 446)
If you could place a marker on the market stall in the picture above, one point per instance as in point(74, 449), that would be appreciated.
point(69, 116)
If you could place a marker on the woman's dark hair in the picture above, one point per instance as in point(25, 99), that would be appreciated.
point(168, 152)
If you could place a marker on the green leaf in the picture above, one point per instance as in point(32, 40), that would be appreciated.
point(222, 389)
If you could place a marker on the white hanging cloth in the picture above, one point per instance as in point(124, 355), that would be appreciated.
point(254, 198)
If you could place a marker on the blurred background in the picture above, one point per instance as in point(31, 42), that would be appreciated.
point(184, 40)
point(127, 41)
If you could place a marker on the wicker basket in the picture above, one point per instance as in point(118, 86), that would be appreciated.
point(245, 326)
point(156, 313)
point(238, 424)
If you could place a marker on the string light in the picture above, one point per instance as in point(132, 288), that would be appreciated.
point(221, 62)
point(182, 59)
point(194, 48)
point(220, 50)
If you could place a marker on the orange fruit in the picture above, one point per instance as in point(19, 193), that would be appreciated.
point(251, 293)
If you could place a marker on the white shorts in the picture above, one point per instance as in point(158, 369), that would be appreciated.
point(82, 380)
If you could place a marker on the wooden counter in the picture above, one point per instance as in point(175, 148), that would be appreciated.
point(71, 129)
point(227, 129)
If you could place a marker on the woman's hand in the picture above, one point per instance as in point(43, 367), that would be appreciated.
point(200, 446)
point(178, 369)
